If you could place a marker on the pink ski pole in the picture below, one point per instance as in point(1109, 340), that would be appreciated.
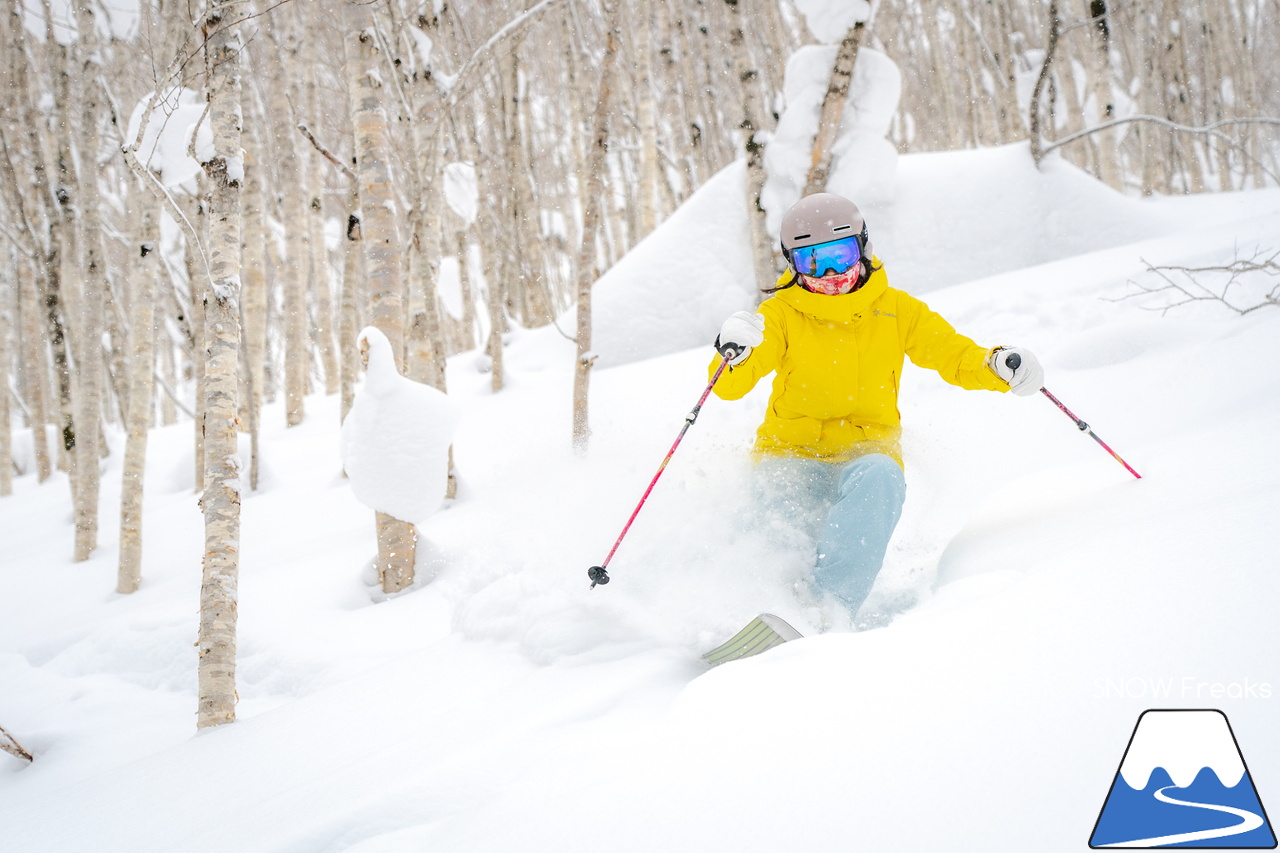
point(599, 574)
point(1015, 361)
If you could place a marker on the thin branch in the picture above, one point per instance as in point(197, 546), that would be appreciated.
point(461, 82)
point(17, 243)
point(10, 745)
point(158, 190)
point(1208, 128)
point(1192, 290)
point(173, 395)
point(346, 170)
point(17, 201)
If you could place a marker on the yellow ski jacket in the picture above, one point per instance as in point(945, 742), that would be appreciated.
point(837, 362)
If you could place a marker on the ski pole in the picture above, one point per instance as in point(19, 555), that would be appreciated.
point(599, 574)
point(1014, 361)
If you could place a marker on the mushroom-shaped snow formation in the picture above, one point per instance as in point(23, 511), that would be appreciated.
point(395, 439)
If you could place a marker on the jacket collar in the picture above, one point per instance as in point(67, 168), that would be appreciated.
point(835, 308)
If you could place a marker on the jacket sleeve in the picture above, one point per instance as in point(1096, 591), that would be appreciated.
point(737, 381)
point(930, 341)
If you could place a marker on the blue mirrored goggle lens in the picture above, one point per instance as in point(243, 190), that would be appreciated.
point(834, 257)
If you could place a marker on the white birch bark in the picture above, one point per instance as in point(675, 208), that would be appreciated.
point(321, 272)
point(833, 110)
point(646, 116)
point(36, 363)
point(588, 270)
point(254, 284)
point(168, 372)
point(221, 499)
point(143, 281)
point(61, 278)
point(8, 299)
point(349, 323)
point(749, 77)
point(383, 254)
point(90, 303)
point(1099, 67)
point(292, 173)
point(197, 287)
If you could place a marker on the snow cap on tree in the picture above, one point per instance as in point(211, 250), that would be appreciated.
point(829, 20)
point(395, 439)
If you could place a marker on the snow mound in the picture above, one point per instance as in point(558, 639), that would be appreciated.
point(395, 439)
point(674, 289)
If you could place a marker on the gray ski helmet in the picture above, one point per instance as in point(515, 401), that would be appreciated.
point(821, 218)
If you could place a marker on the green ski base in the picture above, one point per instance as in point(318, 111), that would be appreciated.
point(761, 634)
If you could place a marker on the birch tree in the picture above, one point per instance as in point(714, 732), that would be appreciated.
point(833, 109)
point(588, 270)
point(221, 498)
point(141, 369)
point(7, 301)
point(36, 367)
point(380, 239)
point(93, 283)
point(749, 77)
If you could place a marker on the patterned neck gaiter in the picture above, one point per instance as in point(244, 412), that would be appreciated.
point(836, 284)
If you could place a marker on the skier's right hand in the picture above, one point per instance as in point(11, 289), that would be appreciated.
point(738, 335)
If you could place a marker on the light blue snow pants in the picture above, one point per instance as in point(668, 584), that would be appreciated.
point(849, 509)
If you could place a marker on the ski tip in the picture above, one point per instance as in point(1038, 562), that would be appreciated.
point(759, 635)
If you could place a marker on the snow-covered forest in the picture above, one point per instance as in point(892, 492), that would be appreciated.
point(341, 338)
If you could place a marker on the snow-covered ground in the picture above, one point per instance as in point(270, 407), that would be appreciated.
point(1037, 597)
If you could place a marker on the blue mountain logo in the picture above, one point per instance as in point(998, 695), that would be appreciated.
point(1183, 783)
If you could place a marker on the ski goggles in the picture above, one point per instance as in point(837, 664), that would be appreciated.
point(836, 256)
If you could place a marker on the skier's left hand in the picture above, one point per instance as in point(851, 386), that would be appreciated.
point(1019, 367)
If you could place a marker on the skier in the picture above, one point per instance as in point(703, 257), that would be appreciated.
point(834, 334)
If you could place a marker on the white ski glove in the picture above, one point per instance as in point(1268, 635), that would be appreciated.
point(1019, 367)
point(738, 335)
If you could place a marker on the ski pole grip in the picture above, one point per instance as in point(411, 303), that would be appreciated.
point(1013, 360)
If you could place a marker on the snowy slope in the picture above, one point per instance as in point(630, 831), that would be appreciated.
point(955, 217)
point(1037, 597)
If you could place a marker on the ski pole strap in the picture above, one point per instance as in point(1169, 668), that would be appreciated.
point(600, 574)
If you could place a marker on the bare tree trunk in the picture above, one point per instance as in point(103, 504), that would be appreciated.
point(761, 249)
point(197, 285)
point(141, 370)
point(832, 110)
point(383, 255)
point(93, 284)
point(291, 169)
point(168, 372)
point(221, 498)
point(349, 320)
point(62, 272)
point(427, 363)
point(254, 283)
point(495, 295)
point(36, 363)
point(940, 67)
point(647, 116)
point(1037, 140)
point(321, 272)
point(8, 300)
point(1106, 141)
point(588, 270)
